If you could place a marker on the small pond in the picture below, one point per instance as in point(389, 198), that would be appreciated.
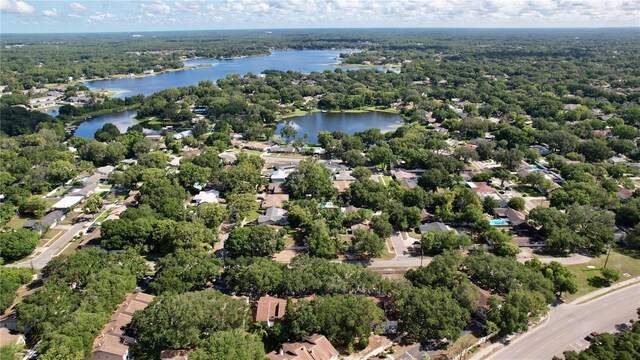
point(350, 123)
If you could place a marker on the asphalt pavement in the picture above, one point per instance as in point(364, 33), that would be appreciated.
point(47, 253)
point(569, 324)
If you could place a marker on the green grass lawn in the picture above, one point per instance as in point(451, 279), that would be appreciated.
point(528, 190)
point(253, 216)
point(104, 215)
point(51, 202)
point(17, 222)
point(60, 192)
point(628, 263)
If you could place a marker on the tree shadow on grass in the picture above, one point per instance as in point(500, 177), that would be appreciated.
point(598, 281)
point(631, 252)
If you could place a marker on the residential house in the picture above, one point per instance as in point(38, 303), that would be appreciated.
point(113, 341)
point(341, 185)
point(87, 190)
point(400, 174)
point(67, 203)
point(287, 166)
point(273, 216)
point(482, 188)
point(411, 183)
point(255, 145)
point(334, 167)
point(434, 226)
point(314, 347)
point(206, 197)
point(286, 149)
point(359, 227)
point(542, 150)
point(344, 175)
point(182, 134)
point(279, 176)
point(48, 221)
point(105, 170)
point(515, 218)
point(270, 309)
point(228, 157)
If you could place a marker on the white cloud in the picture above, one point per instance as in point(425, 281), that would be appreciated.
point(77, 7)
point(155, 7)
point(100, 17)
point(50, 13)
point(16, 6)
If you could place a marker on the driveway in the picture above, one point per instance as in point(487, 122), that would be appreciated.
point(527, 254)
point(403, 257)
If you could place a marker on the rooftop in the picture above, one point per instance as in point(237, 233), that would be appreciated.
point(68, 202)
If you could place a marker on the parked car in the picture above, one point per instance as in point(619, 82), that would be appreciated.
point(592, 336)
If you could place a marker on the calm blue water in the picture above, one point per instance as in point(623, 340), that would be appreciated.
point(305, 61)
point(120, 119)
point(498, 222)
point(312, 123)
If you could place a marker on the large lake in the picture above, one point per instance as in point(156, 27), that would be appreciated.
point(349, 123)
point(304, 61)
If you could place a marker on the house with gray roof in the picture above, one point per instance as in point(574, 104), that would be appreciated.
point(274, 216)
point(434, 226)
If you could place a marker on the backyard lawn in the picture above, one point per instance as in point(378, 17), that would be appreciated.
point(625, 263)
point(17, 222)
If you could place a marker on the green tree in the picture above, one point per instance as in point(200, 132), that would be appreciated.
point(241, 205)
point(108, 132)
point(345, 318)
point(260, 240)
point(211, 215)
point(230, 345)
point(34, 206)
point(183, 270)
point(516, 203)
point(17, 244)
point(428, 313)
point(514, 312)
point(254, 276)
point(310, 180)
point(367, 244)
point(510, 159)
point(381, 156)
point(93, 204)
point(435, 242)
point(353, 158)
point(200, 314)
point(288, 132)
point(610, 275)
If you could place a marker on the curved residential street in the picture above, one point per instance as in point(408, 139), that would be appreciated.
point(568, 324)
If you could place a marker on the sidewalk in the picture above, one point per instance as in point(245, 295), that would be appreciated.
point(598, 293)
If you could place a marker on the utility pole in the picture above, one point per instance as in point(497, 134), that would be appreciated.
point(607, 260)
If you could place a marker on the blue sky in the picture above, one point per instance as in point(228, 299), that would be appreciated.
point(131, 15)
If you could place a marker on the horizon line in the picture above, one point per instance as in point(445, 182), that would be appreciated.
point(333, 28)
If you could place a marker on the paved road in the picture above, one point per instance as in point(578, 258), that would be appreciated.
point(569, 324)
point(46, 253)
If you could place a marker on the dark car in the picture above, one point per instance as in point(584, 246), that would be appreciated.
point(592, 336)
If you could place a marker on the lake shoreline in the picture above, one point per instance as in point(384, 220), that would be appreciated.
point(299, 112)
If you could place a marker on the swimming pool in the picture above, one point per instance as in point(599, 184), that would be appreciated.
point(498, 222)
